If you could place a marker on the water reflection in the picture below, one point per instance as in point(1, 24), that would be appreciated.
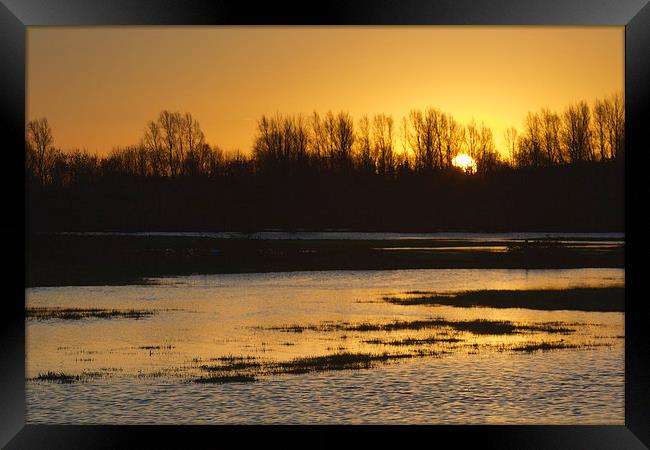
point(200, 321)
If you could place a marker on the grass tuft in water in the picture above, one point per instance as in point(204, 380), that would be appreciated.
point(336, 361)
point(156, 347)
point(57, 377)
point(40, 313)
point(233, 366)
point(479, 326)
point(413, 341)
point(233, 358)
point(558, 345)
point(222, 379)
point(543, 346)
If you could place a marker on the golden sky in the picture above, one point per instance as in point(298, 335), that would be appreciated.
point(99, 86)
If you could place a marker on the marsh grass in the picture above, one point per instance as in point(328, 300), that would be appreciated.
point(542, 346)
point(294, 328)
point(609, 299)
point(332, 362)
point(557, 345)
point(40, 313)
point(232, 358)
point(64, 378)
point(222, 379)
point(549, 327)
point(156, 347)
point(233, 366)
point(247, 371)
point(479, 326)
point(57, 377)
point(413, 341)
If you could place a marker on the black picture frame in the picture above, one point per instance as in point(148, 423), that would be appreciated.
point(16, 15)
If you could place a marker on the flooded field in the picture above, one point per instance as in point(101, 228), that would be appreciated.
point(330, 347)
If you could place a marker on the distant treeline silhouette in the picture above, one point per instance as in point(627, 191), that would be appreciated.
point(563, 171)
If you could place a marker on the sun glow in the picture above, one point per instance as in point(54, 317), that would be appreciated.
point(465, 162)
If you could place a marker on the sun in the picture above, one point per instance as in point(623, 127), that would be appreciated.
point(465, 162)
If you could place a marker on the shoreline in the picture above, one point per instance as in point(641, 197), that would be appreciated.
point(58, 260)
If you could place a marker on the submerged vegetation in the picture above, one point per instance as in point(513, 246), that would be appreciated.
point(66, 378)
point(335, 361)
point(248, 369)
point(156, 347)
point(453, 336)
point(221, 379)
point(414, 341)
point(42, 313)
point(232, 366)
point(543, 346)
point(58, 377)
point(556, 345)
point(247, 372)
point(478, 326)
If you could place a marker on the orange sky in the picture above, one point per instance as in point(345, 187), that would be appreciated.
point(99, 86)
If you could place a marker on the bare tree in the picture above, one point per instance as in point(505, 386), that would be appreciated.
point(39, 140)
point(532, 144)
point(364, 146)
point(317, 137)
point(487, 156)
point(281, 141)
point(383, 140)
point(510, 139)
point(473, 140)
point(600, 129)
point(415, 136)
point(193, 138)
point(550, 136)
point(453, 137)
point(267, 142)
point(344, 140)
point(329, 138)
point(169, 124)
point(428, 135)
point(576, 133)
point(152, 141)
point(439, 122)
point(616, 125)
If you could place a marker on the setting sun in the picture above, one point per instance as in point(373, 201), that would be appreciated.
point(304, 66)
point(465, 162)
point(288, 224)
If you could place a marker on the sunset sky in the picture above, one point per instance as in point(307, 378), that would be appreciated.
point(99, 86)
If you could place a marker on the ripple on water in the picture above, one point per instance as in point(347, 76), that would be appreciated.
point(204, 317)
point(560, 388)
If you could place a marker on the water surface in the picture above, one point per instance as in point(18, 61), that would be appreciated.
point(145, 367)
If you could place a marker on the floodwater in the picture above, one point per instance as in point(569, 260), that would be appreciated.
point(144, 370)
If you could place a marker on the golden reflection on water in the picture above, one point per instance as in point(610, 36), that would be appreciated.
point(141, 371)
point(201, 318)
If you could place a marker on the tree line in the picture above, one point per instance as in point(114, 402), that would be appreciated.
point(174, 145)
point(580, 133)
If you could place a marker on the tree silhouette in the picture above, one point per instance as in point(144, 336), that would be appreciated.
point(510, 139)
point(383, 140)
point(328, 170)
point(577, 132)
point(39, 140)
